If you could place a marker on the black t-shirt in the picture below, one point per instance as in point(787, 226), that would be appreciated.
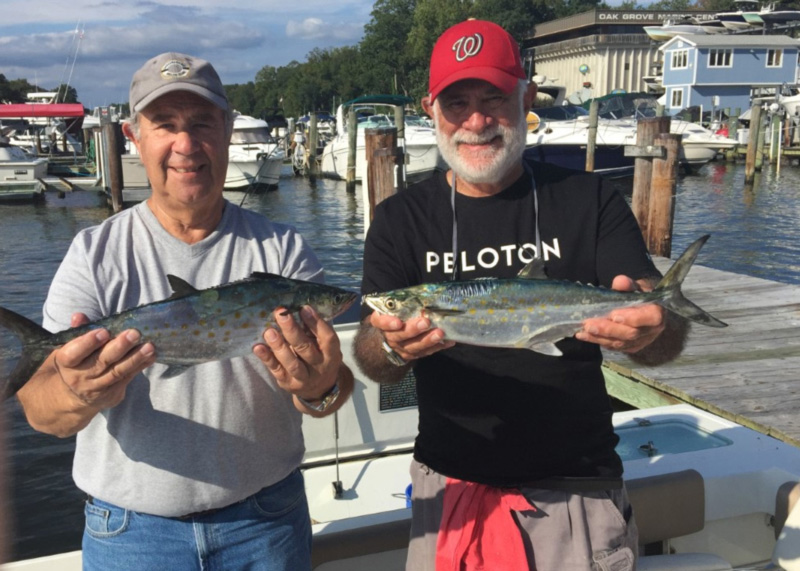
point(507, 417)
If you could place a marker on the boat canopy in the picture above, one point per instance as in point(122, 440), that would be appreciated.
point(397, 100)
point(22, 110)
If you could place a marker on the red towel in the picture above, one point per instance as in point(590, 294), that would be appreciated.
point(478, 530)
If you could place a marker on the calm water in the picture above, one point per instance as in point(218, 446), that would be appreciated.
point(753, 232)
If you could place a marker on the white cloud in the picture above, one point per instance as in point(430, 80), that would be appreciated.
point(316, 29)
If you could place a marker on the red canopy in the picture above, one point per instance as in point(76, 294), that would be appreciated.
point(41, 110)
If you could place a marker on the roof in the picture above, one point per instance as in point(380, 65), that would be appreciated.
point(14, 110)
point(733, 41)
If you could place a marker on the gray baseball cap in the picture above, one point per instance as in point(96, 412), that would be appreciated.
point(172, 71)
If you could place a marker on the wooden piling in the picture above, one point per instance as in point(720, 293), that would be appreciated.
point(312, 146)
point(662, 196)
point(646, 130)
point(760, 142)
point(381, 151)
point(591, 145)
point(752, 144)
point(113, 160)
point(352, 140)
point(775, 138)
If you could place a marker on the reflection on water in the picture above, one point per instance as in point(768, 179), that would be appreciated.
point(753, 232)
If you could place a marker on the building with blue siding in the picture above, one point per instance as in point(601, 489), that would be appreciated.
point(723, 71)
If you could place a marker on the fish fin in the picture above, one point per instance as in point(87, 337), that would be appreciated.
point(443, 311)
point(534, 270)
point(180, 288)
point(266, 276)
point(35, 350)
point(543, 340)
point(174, 371)
point(672, 281)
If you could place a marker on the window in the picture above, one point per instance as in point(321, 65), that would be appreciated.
point(680, 59)
point(774, 58)
point(676, 100)
point(720, 58)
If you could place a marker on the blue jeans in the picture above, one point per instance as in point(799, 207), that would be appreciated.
point(269, 531)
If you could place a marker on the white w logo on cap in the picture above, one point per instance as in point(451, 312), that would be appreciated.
point(468, 46)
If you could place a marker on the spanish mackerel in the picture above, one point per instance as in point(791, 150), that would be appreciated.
point(190, 327)
point(530, 311)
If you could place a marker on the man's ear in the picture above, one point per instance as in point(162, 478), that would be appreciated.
point(427, 105)
point(530, 96)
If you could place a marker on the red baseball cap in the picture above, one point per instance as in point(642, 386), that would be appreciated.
point(475, 49)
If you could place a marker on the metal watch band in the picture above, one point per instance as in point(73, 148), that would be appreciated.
point(325, 401)
point(393, 357)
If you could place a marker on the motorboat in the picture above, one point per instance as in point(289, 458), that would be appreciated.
point(772, 17)
point(40, 126)
point(560, 136)
point(418, 144)
point(745, 18)
point(669, 29)
point(255, 157)
point(20, 174)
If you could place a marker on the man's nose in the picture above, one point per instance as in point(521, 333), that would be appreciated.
point(477, 120)
point(185, 143)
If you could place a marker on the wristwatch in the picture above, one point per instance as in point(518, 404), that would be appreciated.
point(392, 355)
point(322, 403)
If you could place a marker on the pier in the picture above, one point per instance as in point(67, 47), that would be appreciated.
point(747, 372)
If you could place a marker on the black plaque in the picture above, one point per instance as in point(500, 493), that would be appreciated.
point(399, 395)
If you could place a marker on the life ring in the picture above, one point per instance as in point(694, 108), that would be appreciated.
point(533, 121)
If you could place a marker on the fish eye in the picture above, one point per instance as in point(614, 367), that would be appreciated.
point(391, 304)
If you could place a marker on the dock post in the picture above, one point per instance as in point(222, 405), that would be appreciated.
point(112, 142)
point(352, 141)
point(752, 144)
point(760, 143)
point(775, 140)
point(662, 196)
point(591, 145)
point(312, 146)
point(646, 130)
point(733, 129)
point(400, 123)
point(381, 151)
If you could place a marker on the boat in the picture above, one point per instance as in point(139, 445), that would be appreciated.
point(772, 17)
point(708, 493)
point(669, 29)
point(255, 157)
point(419, 142)
point(561, 134)
point(20, 174)
point(745, 18)
point(40, 125)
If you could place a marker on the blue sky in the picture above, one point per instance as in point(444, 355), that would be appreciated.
point(39, 39)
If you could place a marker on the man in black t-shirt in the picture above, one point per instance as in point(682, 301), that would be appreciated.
point(514, 465)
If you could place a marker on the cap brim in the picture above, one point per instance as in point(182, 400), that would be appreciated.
point(206, 94)
point(503, 81)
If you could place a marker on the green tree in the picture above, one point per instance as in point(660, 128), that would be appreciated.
point(384, 45)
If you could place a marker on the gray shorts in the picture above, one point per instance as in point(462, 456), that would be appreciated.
point(568, 531)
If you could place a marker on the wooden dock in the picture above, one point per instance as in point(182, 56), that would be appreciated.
point(748, 372)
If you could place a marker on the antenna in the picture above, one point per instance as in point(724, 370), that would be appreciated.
point(72, 54)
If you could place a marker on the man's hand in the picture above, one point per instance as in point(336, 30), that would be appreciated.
point(628, 329)
point(306, 360)
point(412, 339)
point(83, 377)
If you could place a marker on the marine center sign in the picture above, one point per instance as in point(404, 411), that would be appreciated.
point(644, 17)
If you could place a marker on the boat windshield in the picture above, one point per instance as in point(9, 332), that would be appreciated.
point(560, 112)
point(251, 136)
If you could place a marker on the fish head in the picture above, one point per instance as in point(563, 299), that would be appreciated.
point(402, 303)
point(329, 301)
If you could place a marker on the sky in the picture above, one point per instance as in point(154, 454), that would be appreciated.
point(96, 45)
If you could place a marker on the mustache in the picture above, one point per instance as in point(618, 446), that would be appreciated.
point(478, 139)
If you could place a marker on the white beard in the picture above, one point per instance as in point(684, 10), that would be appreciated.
point(491, 164)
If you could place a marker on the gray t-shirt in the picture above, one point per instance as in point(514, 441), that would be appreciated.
point(218, 432)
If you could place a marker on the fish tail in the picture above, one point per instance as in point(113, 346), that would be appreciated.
point(30, 335)
point(672, 281)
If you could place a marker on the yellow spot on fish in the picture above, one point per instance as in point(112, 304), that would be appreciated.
point(263, 314)
point(211, 335)
point(238, 315)
point(472, 311)
point(490, 311)
point(196, 332)
point(185, 326)
point(222, 322)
